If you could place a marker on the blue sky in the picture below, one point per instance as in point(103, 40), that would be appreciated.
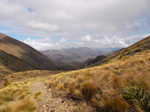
point(53, 24)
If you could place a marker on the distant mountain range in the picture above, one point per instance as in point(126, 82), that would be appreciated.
point(74, 58)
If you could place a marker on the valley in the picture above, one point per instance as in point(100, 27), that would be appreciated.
point(75, 58)
point(31, 82)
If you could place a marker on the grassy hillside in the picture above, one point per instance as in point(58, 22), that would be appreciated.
point(11, 64)
point(129, 51)
point(121, 86)
point(25, 53)
point(21, 92)
point(22, 76)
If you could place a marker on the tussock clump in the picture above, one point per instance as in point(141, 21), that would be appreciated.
point(114, 104)
point(88, 90)
point(16, 98)
point(25, 105)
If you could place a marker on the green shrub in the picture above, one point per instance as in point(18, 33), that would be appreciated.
point(139, 96)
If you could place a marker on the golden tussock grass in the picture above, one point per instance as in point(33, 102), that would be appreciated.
point(97, 84)
point(17, 98)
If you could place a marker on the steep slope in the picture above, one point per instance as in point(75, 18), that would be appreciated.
point(129, 51)
point(10, 64)
point(25, 53)
point(91, 62)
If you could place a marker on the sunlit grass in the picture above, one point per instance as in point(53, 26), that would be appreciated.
point(104, 86)
point(119, 86)
point(17, 98)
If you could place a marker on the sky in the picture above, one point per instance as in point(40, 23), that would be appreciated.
point(55, 24)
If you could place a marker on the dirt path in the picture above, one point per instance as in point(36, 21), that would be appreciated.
point(49, 103)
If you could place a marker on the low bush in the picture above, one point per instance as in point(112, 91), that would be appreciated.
point(138, 96)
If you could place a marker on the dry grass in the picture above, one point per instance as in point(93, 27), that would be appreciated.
point(129, 51)
point(17, 98)
point(120, 86)
point(22, 76)
point(17, 94)
point(114, 104)
point(26, 105)
point(103, 87)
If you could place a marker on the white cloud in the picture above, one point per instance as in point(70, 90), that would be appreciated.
point(105, 42)
point(87, 38)
point(81, 21)
point(40, 44)
point(43, 26)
